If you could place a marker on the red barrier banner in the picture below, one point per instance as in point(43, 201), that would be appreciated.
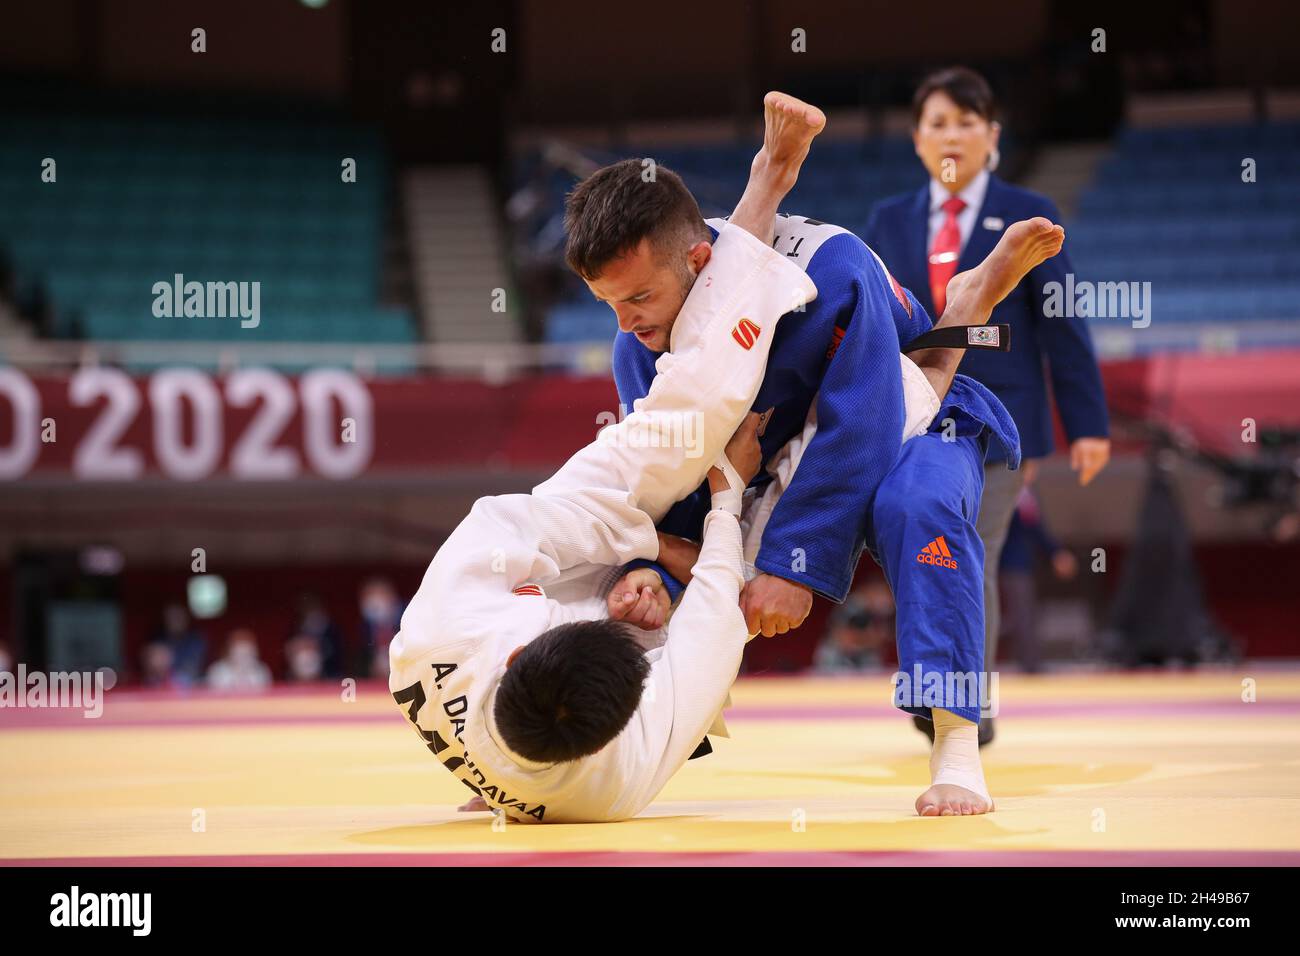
point(256, 424)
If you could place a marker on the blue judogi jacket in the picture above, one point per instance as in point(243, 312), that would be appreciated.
point(842, 353)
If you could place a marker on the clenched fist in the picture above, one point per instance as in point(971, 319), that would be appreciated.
point(639, 597)
point(773, 605)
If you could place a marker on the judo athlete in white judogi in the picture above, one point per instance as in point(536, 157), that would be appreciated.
point(523, 566)
point(507, 646)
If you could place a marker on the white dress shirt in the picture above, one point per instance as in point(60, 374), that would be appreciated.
point(973, 195)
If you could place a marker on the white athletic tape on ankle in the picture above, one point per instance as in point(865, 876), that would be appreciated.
point(955, 758)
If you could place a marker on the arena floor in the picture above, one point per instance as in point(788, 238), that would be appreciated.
point(1155, 768)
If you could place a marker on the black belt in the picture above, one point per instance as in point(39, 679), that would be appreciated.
point(996, 338)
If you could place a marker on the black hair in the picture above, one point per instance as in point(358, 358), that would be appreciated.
point(608, 214)
point(571, 691)
point(964, 86)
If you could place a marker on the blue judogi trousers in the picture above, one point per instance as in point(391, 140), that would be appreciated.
point(923, 535)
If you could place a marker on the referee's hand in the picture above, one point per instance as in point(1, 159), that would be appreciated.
point(1088, 456)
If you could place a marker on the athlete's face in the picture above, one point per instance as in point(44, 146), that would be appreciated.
point(646, 290)
point(954, 144)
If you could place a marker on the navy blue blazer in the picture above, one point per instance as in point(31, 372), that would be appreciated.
point(897, 232)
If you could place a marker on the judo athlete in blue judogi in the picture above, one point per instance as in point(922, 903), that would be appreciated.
point(842, 473)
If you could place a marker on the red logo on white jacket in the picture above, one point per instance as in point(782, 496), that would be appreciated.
point(746, 333)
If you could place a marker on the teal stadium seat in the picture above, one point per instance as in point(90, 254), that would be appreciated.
point(140, 198)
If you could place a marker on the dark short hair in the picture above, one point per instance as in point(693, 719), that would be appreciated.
point(608, 214)
point(571, 691)
point(964, 87)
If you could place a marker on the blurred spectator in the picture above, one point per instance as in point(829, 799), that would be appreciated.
point(381, 616)
point(156, 665)
point(315, 643)
point(1287, 528)
point(187, 648)
point(859, 631)
point(1027, 538)
point(303, 659)
point(240, 668)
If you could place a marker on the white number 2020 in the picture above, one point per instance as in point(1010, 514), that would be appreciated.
point(326, 397)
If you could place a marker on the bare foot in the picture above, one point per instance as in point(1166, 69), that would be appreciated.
point(950, 800)
point(972, 295)
point(956, 286)
point(473, 805)
point(789, 127)
point(1023, 246)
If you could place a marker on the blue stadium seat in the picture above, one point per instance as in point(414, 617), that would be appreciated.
point(840, 183)
point(1170, 207)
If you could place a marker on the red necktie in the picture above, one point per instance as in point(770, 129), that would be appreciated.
point(944, 254)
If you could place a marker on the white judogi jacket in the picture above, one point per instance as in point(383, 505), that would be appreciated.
point(519, 565)
point(690, 675)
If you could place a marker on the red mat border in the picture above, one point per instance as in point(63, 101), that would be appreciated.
point(607, 858)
